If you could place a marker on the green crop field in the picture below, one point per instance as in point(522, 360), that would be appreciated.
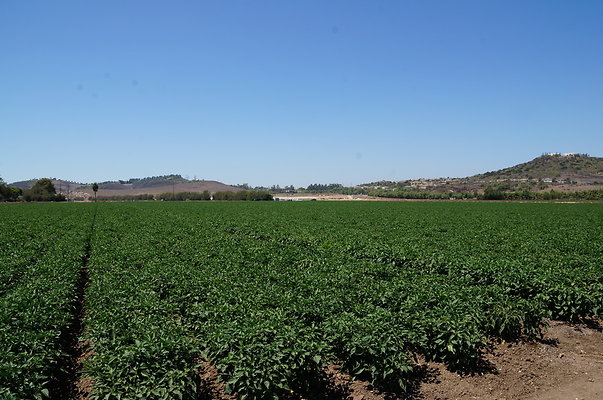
point(273, 293)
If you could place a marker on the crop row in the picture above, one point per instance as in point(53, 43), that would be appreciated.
point(39, 269)
point(549, 251)
point(271, 306)
point(271, 294)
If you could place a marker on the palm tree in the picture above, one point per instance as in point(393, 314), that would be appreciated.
point(95, 189)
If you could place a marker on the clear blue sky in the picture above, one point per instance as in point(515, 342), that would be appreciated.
point(295, 92)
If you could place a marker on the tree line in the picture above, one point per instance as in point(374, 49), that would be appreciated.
point(490, 193)
point(241, 195)
point(126, 197)
point(9, 193)
point(42, 190)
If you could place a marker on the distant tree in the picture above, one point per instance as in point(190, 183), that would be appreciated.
point(15, 192)
point(9, 193)
point(42, 190)
point(95, 189)
point(244, 195)
point(493, 193)
point(45, 184)
point(184, 196)
point(205, 195)
point(317, 187)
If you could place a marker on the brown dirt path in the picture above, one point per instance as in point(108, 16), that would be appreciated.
point(567, 364)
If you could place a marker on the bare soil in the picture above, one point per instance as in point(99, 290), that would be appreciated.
point(567, 363)
point(343, 386)
point(66, 381)
point(83, 384)
point(213, 387)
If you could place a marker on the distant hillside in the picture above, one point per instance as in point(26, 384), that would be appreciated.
point(135, 186)
point(60, 184)
point(158, 185)
point(561, 172)
point(576, 167)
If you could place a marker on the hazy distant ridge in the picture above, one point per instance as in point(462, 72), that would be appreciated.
point(554, 166)
point(567, 172)
point(136, 186)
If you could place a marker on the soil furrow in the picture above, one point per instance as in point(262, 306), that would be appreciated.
point(65, 381)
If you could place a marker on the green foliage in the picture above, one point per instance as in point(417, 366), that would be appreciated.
point(548, 166)
point(419, 194)
point(9, 193)
point(151, 181)
point(133, 197)
point(241, 195)
point(320, 188)
point(493, 193)
point(40, 258)
point(183, 196)
point(244, 195)
point(42, 190)
point(271, 293)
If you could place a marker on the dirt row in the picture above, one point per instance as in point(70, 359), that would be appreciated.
point(566, 363)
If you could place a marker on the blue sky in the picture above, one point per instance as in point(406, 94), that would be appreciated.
point(295, 92)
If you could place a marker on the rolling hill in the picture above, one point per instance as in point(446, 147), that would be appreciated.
point(559, 167)
point(135, 186)
point(568, 172)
